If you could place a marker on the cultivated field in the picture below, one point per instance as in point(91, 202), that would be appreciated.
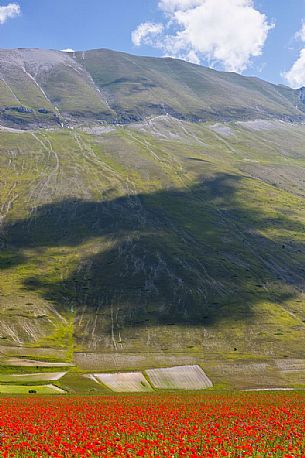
point(179, 378)
point(35, 377)
point(124, 382)
point(150, 425)
point(26, 389)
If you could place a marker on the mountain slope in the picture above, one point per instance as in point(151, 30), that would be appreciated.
point(178, 241)
point(161, 241)
point(46, 88)
point(142, 86)
point(42, 88)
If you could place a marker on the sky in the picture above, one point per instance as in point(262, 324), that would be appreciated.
point(263, 38)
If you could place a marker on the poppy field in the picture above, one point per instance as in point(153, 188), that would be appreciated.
point(209, 425)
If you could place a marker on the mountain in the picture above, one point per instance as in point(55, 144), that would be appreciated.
point(42, 88)
point(132, 236)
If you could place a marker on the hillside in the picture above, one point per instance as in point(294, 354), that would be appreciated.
point(153, 242)
point(41, 88)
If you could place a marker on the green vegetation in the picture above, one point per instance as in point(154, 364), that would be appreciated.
point(131, 242)
point(157, 243)
point(43, 88)
point(142, 86)
point(75, 383)
point(27, 389)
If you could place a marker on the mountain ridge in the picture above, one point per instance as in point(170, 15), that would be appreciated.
point(42, 88)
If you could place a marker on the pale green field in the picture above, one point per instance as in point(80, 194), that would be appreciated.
point(27, 378)
point(132, 382)
point(24, 389)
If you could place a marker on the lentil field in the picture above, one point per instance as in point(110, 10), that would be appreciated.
point(209, 425)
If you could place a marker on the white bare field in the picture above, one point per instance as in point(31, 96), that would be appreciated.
point(131, 382)
point(55, 389)
point(22, 362)
point(270, 389)
point(179, 378)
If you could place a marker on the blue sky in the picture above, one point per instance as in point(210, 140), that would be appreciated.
point(265, 45)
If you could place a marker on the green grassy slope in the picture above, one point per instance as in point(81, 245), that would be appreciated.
point(46, 88)
point(43, 88)
point(165, 237)
point(143, 86)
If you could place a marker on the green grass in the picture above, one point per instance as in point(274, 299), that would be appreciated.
point(181, 254)
point(25, 389)
point(27, 378)
point(75, 383)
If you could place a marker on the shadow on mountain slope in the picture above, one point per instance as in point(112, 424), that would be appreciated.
point(192, 256)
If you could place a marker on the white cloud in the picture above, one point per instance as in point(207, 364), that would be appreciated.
point(296, 75)
point(68, 50)
point(10, 11)
point(225, 32)
point(146, 33)
point(300, 35)
point(171, 6)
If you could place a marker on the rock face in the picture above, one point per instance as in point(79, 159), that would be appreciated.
point(301, 96)
point(43, 88)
